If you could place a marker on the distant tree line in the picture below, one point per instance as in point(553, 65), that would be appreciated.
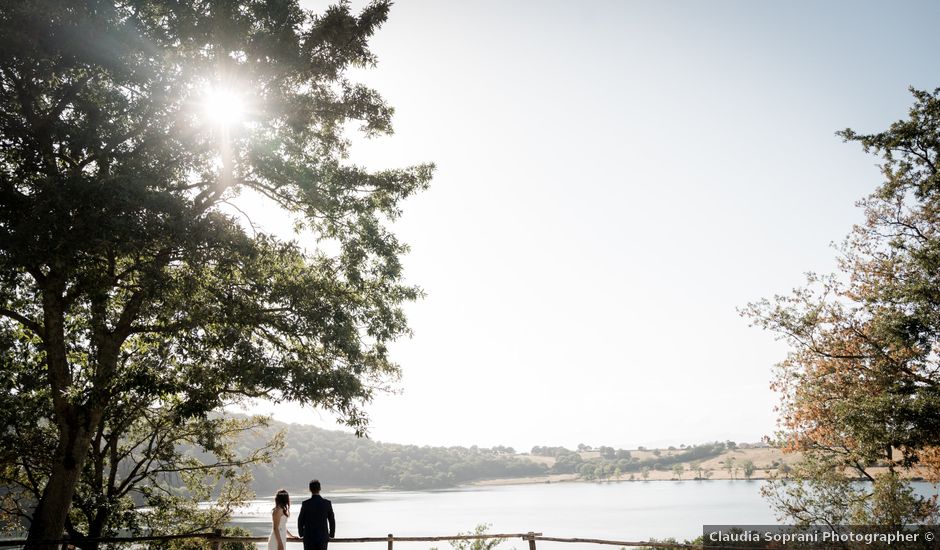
point(613, 463)
point(341, 459)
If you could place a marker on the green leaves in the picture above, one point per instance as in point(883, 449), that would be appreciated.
point(860, 385)
point(121, 207)
point(124, 278)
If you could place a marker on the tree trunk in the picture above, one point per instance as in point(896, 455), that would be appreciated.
point(48, 522)
point(95, 530)
point(76, 421)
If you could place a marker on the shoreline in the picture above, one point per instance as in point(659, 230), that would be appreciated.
point(571, 478)
point(548, 480)
point(555, 478)
point(564, 478)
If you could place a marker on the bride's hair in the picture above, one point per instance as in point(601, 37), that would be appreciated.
point(282, 501)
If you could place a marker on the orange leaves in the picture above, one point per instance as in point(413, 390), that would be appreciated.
point(930, 461)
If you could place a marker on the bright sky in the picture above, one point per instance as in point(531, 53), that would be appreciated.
point(614, 180)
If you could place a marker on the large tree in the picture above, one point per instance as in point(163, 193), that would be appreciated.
point(117, 241)
point(149, 469)
point(861, 386)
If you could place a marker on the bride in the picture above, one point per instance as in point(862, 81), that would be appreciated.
point(279, 532)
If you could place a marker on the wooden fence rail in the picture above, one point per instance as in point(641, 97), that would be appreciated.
point(217, 539)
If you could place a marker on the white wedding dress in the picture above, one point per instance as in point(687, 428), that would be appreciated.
point(272, 541)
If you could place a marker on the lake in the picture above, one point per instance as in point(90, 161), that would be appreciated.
point(635, 510)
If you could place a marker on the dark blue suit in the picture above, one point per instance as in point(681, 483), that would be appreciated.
point(315, 523)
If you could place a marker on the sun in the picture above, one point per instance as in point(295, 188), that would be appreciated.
point(223, 106)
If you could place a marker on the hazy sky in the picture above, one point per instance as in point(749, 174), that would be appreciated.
point(614, 180)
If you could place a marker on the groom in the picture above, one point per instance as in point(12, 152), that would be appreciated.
point(315, 513)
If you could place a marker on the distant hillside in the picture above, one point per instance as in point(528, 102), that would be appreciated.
point(343, 460)
point(705, 461)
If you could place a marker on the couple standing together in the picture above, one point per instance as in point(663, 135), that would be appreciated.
point(315, 523)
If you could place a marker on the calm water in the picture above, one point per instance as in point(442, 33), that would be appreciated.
point(617, 511)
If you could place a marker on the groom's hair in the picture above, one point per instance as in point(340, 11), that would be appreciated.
point(315, 486)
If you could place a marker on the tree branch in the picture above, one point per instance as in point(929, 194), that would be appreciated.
point(28, 323)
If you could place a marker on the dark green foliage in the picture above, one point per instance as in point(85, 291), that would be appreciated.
point(126, 277)
point(342, 460)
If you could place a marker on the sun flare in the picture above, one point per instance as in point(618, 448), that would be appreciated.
point(224, 106)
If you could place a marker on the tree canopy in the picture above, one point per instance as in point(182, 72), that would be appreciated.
point(861, 386)
point(126, 276)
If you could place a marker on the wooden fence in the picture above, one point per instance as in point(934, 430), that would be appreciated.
point(216, 538)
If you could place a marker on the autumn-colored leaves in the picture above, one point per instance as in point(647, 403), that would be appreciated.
point(860, 388)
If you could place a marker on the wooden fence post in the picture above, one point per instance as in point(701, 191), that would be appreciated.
point(531, 537)
point(217, 538)
point(390, 539)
